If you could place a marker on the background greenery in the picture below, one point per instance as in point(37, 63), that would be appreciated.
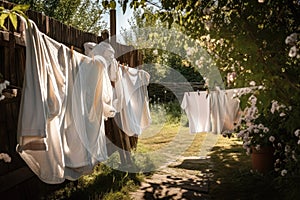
point(86, 15)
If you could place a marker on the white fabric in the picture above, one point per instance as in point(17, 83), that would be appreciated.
point(135, 112)
point(218, 102)
point(106, 50)
point(66, 96)
point(130, 91)
point(233, 111)
point(215, 112)
point(197, 108)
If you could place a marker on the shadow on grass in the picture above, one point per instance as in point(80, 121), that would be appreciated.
point(234, 179)
point(107, 183)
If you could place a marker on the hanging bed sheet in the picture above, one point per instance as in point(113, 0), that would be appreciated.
point(66, 96)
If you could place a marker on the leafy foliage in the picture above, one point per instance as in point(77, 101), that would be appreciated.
point(85, 15)
point(12, 15)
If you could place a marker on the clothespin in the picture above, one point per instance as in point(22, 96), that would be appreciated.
point(71, 49)
point(93, 58)
point(198, 92)
point(124, 67)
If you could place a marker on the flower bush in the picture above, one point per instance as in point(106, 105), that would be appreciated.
point(271, 115)
point(259, 127)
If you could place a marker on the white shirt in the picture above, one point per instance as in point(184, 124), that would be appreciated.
point(135, 112)
point(197, 108)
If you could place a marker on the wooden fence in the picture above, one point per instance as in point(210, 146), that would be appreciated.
point(16, 179)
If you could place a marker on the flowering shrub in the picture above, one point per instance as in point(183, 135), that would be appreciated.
point(270, 127)
point(260, 129)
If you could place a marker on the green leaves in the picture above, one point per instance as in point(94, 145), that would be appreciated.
point(3, 16)
point(12, 15)
point(13, 18)
point(21, 8)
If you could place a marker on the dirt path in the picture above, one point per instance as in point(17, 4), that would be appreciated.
point(187, 178)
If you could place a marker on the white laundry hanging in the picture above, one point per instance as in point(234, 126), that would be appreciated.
point(65, 97)
point(135, 113)
point(105, 50)
point(218, 105)
point(216, 113)
point(233, 111)
point(197, 108)
point(130, 92)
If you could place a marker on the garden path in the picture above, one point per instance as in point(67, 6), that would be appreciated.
point(185, 179)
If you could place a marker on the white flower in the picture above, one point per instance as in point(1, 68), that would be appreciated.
point(266, 130)
point(252, 83)
point(155, 52)
point(277, 161)
point(241, 134)
point(298, 142)
point(274, 106)
point(291, 39)
point(253, 99)
point(293, 51)
point(261, 87)
point(260, 126)
point(293, 156)
point(271, 138)
point(297, 132)
point(279, 145)
point(257, 147)
point(287, 148)
point(282, 114)
point(283, 172)
point(256, 130)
